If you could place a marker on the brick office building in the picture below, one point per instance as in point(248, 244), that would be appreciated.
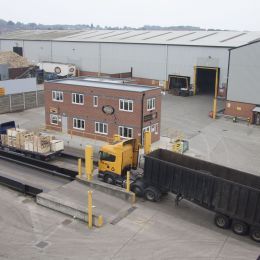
point(100, 108)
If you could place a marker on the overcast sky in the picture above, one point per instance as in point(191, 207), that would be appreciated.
point(220, 14)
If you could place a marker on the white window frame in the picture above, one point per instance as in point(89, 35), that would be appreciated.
point(97, 129)
point(55, 94)
point(128, 128)
point(150, 104)
point(124, 101)
point(74, 98)
point(95, 101)
point(76, 127)
point(51, 119)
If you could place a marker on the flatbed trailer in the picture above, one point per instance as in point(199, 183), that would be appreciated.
point(233, 195)
point(36, 155)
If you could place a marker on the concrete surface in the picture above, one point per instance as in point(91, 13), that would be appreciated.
point(152, 231)
point(72, 199)
point(32, 177)
point(109, 189)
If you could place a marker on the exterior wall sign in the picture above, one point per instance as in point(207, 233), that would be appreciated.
point(53, 110)
point(150, 117)
point(109, 110)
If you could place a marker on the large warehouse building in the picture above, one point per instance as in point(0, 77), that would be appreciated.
point(243, 97)
point(152, 56)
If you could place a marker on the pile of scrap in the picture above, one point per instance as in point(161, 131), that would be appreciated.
point(13, 60)
point(22, 139)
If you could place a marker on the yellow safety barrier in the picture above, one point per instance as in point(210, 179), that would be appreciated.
point(90, 214)
point(147, 142)
point(2, 91)
point(128, 181)
point(89, 162)
point(117, 138)
point(80, 168)
point(100, 221)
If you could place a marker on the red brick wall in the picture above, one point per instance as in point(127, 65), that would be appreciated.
point(93, 114)
point(239, 109)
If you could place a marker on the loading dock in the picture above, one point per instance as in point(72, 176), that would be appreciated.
point(206, 80)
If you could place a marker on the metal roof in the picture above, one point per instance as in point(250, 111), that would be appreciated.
point(37, 34)
point(187, 38)
point(104, 83)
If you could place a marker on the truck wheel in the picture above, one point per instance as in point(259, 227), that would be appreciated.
point(138, 188)
point(255, 234)
point(222, 221)
point(152, 194)
point(239, 227)
point(109, 179)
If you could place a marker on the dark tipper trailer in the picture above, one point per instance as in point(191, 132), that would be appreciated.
point(233, 195)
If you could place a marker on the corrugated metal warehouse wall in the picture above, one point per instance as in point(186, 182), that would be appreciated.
point(36, 51)
point(153, 61)
point(244, 74)
point(84, 55)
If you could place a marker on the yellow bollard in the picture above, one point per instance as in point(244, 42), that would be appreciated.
point(128, 181)
point(100, 221)
point(89, 162)
point(79, 168)
point(147, 142)
point(214, 108)
point(90, 216)
point(117, 138)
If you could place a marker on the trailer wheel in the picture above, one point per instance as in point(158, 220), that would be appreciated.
point(109, 179)
point(152, 194)
point(222, 221)
point(138, 188)
point(255, 234)
point(239, 227)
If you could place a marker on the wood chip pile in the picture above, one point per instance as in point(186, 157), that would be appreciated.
point(13, 60)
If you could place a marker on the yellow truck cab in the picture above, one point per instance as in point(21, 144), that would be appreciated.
point(116, 159)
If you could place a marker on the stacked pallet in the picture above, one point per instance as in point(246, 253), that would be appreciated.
point(16, 137)
point(22, 139)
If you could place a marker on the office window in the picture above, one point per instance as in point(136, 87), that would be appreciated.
point(126, 105)
point(77, 98)
point(101, 128)
point(57, 96)
point(125, 131)
point(150, 104)
point(78, 124)
point(54, 119)
point(95, 101)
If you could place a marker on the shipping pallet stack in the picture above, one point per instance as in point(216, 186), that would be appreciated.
point(22, 139)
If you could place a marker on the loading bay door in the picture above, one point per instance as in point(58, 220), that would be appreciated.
point(206, 80)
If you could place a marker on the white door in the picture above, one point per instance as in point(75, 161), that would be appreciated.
point(64, 124)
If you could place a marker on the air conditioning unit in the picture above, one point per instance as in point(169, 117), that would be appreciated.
point(61, 69)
